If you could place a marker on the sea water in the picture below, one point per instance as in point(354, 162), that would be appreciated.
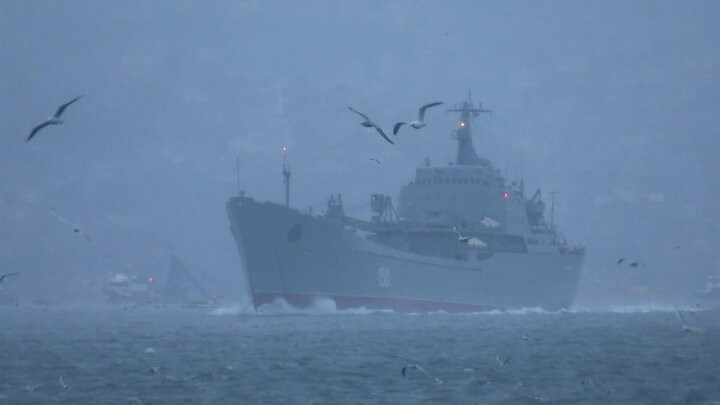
point(158, 354)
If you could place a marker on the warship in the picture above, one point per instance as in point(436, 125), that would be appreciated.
point(462, 239)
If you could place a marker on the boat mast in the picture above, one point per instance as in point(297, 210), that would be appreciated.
point(466, 154)
point(286, 178)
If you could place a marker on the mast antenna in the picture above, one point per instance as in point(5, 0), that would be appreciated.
point(286, 177)
point(466, 154)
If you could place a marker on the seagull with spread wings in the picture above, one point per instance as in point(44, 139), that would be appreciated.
point(420, 122)
point(54, 120)
point(4, 276)
point(367, 123)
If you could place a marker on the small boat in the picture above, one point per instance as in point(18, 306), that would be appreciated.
point(132, 289)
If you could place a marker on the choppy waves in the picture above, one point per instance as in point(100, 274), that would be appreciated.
point(638, 354)
point(321, 306)
point(326, 306)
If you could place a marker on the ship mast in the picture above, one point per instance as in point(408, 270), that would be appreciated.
point(286, 178)
point(466, 154)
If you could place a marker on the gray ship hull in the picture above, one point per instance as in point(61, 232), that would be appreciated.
point(301, 258)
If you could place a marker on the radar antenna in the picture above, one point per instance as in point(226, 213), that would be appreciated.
point(466, 154)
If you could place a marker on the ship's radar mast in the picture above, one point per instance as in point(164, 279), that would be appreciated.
point(466, 154)
point(286, 178)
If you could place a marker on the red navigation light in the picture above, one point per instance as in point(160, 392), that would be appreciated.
point(149, 279)
point(505, 195)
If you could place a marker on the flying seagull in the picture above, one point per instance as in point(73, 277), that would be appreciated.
point(632, 263)
point(421, 118)
point(461, 238)
point(471, 241)
point(71, 225)
point(54, 120)
point(415, 366)
point(685, 326)
point(369, 124)
point(504, 361)
point(62, 384)
point(4, 276)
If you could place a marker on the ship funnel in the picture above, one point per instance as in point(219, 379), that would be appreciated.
point(466, 154)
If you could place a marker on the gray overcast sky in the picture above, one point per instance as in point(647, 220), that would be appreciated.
point(613, 104)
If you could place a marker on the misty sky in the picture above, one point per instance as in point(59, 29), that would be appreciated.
point(615, 105)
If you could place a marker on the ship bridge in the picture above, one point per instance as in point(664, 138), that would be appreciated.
point(469, 193)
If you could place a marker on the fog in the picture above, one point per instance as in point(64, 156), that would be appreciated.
point(614, 105)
